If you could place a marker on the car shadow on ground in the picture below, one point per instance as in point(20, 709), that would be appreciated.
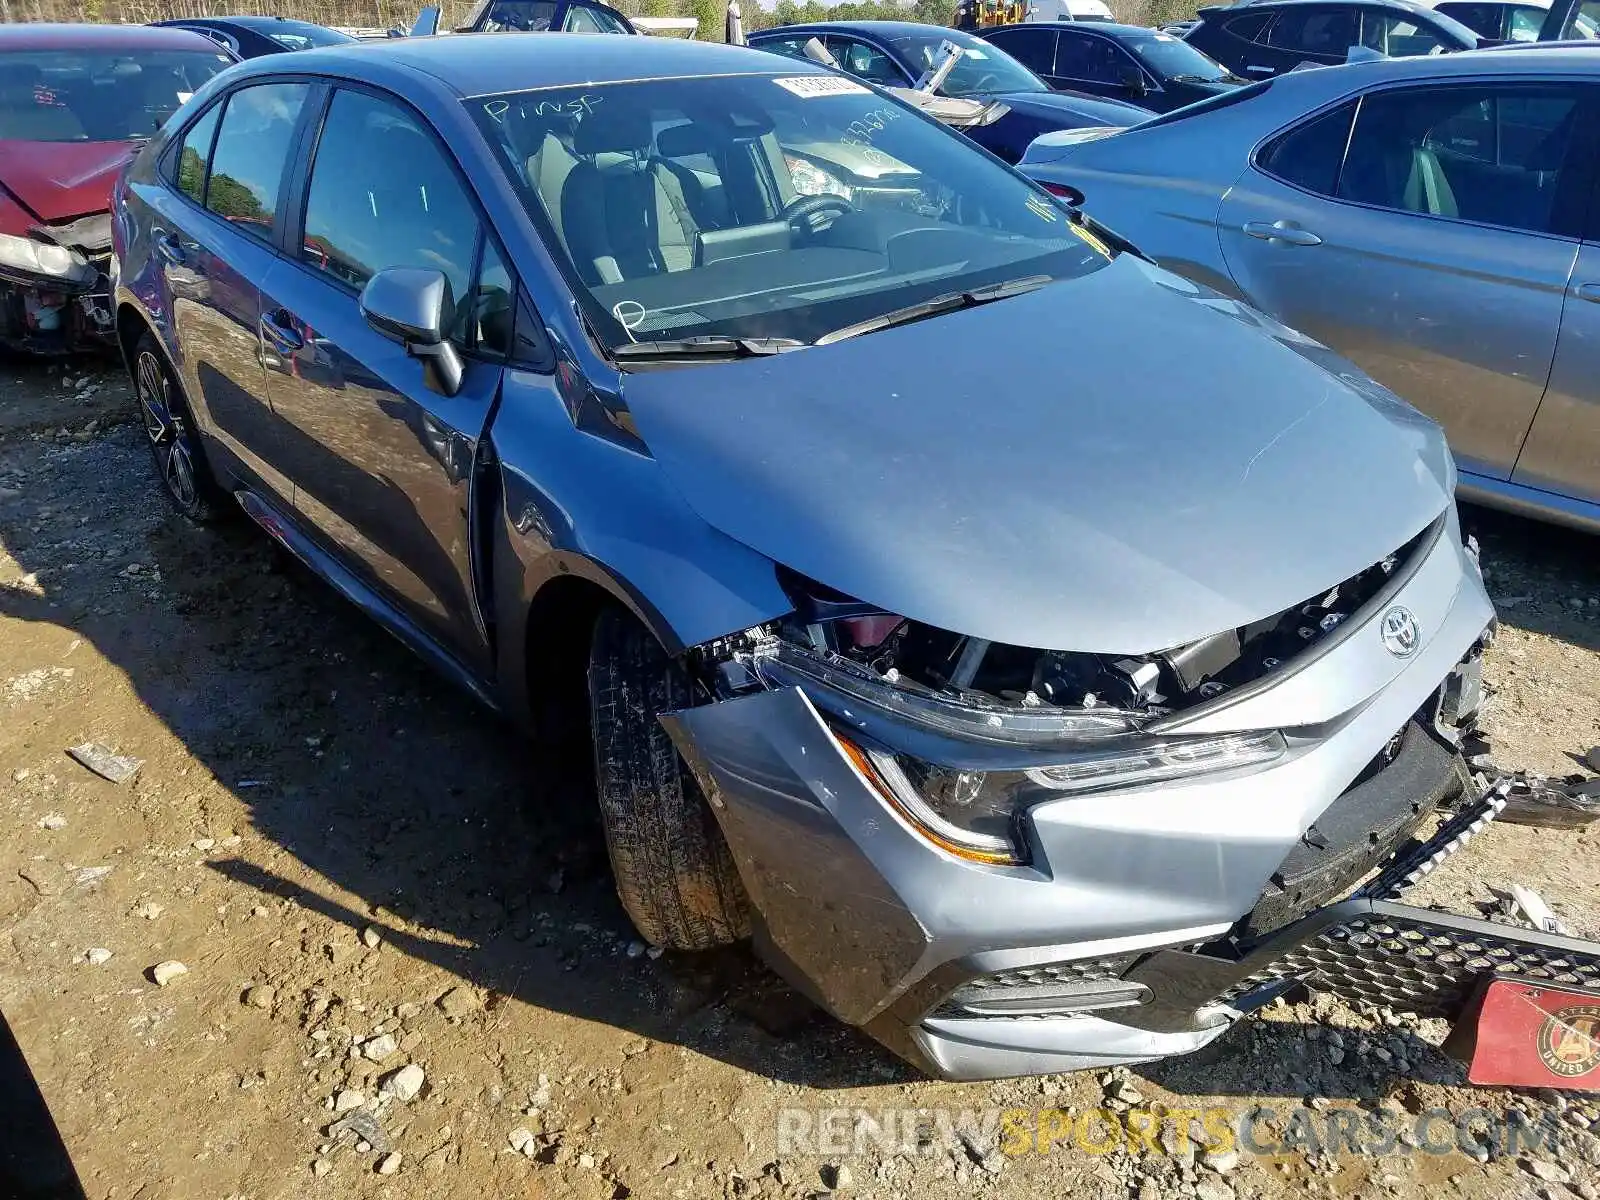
point(1543, 578)
point(465, 847)
point(1349, 1067)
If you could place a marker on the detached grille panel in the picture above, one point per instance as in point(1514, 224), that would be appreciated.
point(1429, 964)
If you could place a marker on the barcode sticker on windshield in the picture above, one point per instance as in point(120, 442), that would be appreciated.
point(808, 86)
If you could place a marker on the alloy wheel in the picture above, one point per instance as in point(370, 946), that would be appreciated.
point(168, 434)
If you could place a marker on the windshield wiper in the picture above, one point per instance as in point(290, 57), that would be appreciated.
point(934, 306)
point(712, 346)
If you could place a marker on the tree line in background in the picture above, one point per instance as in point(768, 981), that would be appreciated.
point(387, 14)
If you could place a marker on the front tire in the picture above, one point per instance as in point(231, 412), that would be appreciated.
point(168, 425)
point(674, 873)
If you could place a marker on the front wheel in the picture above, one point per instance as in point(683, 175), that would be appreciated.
point(674, 873)
point(180, 459)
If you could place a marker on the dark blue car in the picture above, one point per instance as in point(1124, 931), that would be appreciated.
point(1154, 70)
point(897, 53)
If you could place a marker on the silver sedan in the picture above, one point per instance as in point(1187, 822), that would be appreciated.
point(1430, 218)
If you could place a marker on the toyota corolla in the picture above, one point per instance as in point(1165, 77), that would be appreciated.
point(1023, 643)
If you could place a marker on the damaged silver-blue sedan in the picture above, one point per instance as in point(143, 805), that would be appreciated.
point(1034, 651)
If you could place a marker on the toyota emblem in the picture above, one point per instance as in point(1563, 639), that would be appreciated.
point(1399, 631)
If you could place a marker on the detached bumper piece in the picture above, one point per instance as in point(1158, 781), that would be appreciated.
point(1430, 963)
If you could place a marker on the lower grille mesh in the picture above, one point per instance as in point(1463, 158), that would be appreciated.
point(1422, 966)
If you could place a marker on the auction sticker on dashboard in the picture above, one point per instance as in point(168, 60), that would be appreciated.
point(809, 86)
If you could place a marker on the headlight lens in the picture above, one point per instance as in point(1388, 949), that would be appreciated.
point(811, 180)
point(973, 813)
point(45, 258)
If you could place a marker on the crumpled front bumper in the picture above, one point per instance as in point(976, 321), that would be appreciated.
point(881, 927)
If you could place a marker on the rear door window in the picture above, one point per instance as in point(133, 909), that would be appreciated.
point(1496, 154)
point(194, 153)
point(1310, 157)
point(1398, 37)
point(1033, 48)
point(1321, 31)
point(252, 148)
point(1249, 28)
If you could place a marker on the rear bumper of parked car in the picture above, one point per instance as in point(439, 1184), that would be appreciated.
point(976, 971)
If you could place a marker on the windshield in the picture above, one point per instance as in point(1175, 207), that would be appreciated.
point(1172, 58)
point(766, 206)
point(99, 96)
point(983, 70)
point(302, 35)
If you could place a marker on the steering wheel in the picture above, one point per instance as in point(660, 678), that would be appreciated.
point(800, 211)
point(989, 82)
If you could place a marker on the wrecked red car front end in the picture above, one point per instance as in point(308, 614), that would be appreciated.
point(76, 102)
point(55, 243)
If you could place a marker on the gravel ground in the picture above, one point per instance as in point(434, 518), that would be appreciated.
point(377, 929)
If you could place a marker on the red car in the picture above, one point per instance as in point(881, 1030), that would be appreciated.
point(75, 102)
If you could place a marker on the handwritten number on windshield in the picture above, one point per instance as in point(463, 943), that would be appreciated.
point(863, 129)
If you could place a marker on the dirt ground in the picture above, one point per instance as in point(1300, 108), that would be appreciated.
point(337, 848)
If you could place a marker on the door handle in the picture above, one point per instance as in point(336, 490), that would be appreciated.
point(171, 249)
point(1255, 70)
point(282, 337)
point(1281, 231)
point(1588, 291)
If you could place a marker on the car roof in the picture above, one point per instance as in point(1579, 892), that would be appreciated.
point(1109, 28)
point(482, 64)
point(883, 29)
point(1402, 5)
point(44, 36)
point(252, 21)
point(1552, 59)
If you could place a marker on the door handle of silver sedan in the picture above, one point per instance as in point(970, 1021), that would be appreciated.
point(1281, 231)
point(1588, 291)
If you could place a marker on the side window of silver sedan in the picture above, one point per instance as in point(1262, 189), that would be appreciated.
point(1496, 154)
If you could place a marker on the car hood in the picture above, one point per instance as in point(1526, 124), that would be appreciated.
point(61, 180)
point(1119, 463)
point(1067, 108)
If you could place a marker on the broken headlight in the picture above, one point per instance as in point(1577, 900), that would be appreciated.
point(973, 812)
point(45, 259)
point(809, 179)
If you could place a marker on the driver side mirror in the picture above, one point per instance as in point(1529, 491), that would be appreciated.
point(1132, 79)
point(413, 306)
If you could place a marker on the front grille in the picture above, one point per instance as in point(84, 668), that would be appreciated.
point(1429, 964)
point(1067, 972)
point(1053, 987)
